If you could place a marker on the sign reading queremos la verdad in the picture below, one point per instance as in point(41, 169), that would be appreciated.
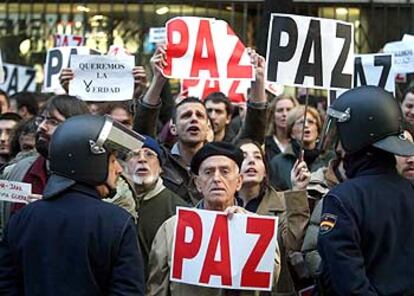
point(102, 78)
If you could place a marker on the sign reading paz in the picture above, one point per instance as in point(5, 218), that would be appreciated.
point(58, 58)
point(211, 250)
point(18, 78)
point(15, 191)
point(310, 52)
point(205, 48)
point(102, 78)
point(68, 40)
point(236, 90)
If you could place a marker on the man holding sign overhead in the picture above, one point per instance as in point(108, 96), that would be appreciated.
point(184, 268)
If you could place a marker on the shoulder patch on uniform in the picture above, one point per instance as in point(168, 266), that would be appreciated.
point(328, 222)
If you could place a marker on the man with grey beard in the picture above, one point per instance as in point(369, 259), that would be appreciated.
point(156, 203)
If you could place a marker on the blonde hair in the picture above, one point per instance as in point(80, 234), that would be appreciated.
point(298, 112)
point(271, 126)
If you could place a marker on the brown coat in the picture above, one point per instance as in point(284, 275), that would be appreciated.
point(293, 211)
point(159, 283)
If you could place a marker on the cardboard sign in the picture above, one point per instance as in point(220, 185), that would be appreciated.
point(403, 55)
point(157, 35)
point(375, 69)
point(15, 191)
point(310, 52)
point(372, 69)
point(58, 58)
point(18, 78)
point(205, 48)
point(116, 51)
point(102, 78)
point(236, 90)
point(68, 40)
point(1, 70)
point(213, 251)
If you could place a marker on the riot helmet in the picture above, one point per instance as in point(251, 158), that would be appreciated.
point(81, 146)
point(368, 116)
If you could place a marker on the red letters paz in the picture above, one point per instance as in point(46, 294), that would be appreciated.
point(220, 240)
point(204, 43)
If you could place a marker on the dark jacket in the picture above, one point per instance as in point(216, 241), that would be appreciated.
point(176, 175)
point(271, 148)
point(366, 237)
point(71, 243)
point(282, 164)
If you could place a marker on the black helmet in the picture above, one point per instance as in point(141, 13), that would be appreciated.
point(80, 147)
point(366, 116)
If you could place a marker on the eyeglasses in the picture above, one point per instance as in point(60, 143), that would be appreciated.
point(50, 121)
point(147, 154)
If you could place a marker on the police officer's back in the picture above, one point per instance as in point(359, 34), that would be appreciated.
point(71, 242)
point(366, 238)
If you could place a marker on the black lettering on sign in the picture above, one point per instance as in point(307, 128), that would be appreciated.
point(385, 62)
point(279, 53)
point(73, 51)
point(305, 68)
point(339, 79)
point(14, 82)
point(31, 76)
point(359, 72)
point(54, 55)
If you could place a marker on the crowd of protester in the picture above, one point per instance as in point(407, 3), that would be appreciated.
point(284, 171)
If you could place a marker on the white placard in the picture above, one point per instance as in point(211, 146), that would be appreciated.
point(18, 78)
point(69, 40)
point(310, 52)
point(408, 37)
point(15, 191)
point(102, 78)
point(214, 251)
point(204, 48)
point(157, 35)
point(403, 55)
point(57, 59)
point(235, 90)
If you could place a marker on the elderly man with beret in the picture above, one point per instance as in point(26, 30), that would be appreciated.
point(217, 169)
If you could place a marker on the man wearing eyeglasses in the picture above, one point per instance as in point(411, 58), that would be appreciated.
point(156, 202)
point(34, 169)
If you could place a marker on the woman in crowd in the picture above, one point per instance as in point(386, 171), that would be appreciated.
point(291, 207)
point(282, 164)
point(277, 139)
point(407, 107)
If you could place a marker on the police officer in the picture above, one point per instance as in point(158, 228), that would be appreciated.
point(366, 235)
point(71, 242)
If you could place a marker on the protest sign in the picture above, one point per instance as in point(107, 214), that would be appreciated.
point(57, 59)
point(372, 69)
point(102, 78)
point(1, 70)
point(408, 37)
point(205, 48)
point(310, 52)
point(116, 51)
point(157, 35)
point(15, 191)
point(212, 250)
point(403, 55)
point(68, 40)
point(236, 90)
point(18, 78)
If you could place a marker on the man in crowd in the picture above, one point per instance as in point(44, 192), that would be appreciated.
point(366, 238)
point(219, 110)
point(156, 203)
point(27, 105)
point(33, 169)
point(190, 124)
point(71, 242)
point(217, 169)
point(7, 122)
point(405, 165)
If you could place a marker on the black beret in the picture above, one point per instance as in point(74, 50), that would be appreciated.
point(216, 148)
